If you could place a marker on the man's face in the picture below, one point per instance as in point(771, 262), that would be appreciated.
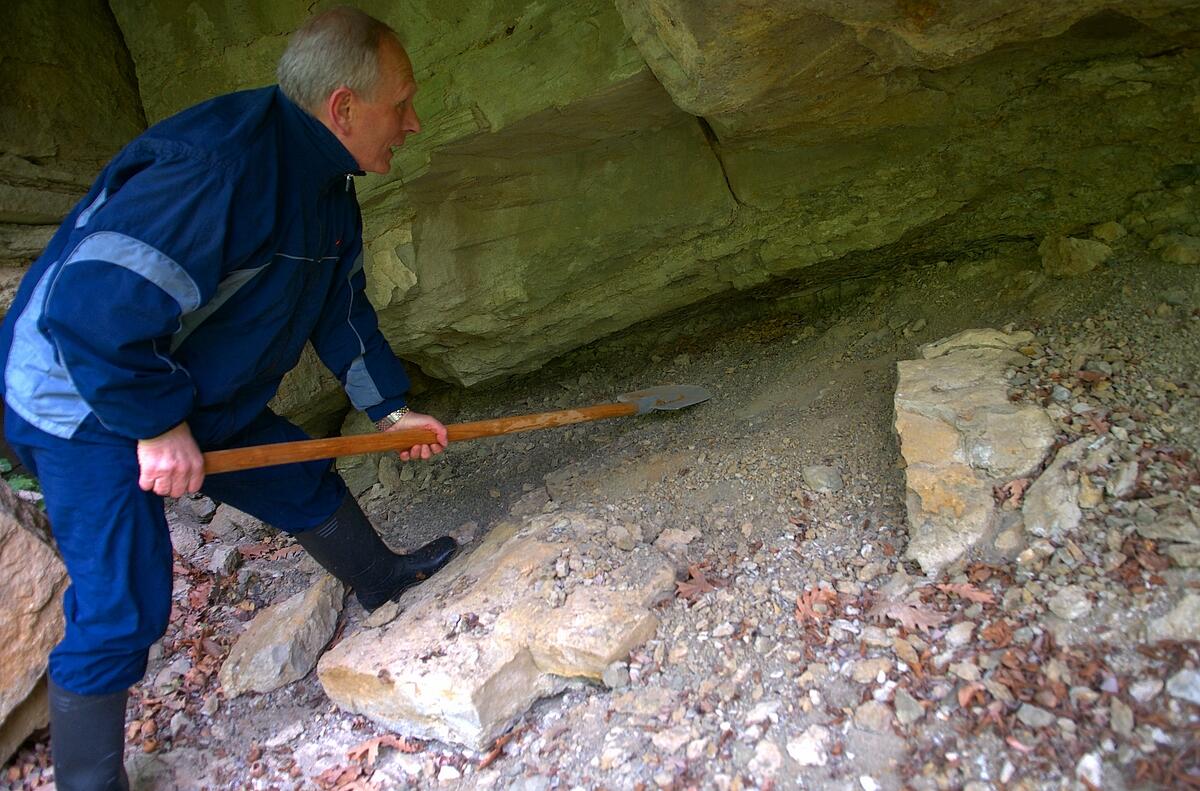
point(386, 117)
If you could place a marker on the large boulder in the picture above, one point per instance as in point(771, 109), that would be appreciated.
point(32, 582)
point(961, 438)
point(536, 604)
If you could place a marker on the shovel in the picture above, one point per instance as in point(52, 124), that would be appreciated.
point(636, 403)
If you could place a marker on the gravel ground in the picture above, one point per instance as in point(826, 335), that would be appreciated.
point(802, 650)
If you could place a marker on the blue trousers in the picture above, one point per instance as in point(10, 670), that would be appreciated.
point(114, 540)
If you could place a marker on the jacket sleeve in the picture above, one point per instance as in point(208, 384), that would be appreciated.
point(144, 258)
point(348, 341)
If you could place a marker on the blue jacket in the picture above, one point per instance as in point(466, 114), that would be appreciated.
point(186, 283)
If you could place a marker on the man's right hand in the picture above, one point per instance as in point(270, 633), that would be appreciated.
point(171, 463)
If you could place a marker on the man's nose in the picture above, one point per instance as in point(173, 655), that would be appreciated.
point(412, 124)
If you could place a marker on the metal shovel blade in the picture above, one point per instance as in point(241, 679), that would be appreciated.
point(665, 397)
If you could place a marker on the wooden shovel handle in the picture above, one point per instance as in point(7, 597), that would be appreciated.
point(309, 450)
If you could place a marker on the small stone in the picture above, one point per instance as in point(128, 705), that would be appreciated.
point(203, 508)
point(763, 712)
point(823, 479)
point(873, 716)
point(960, 634)
point(616, 675)
point(624, 537)
point(967, 671)
point(1178, 248)
point(673, 740)
point(908, 708)
point(811, 748)
point(1185, 685)
point(1010, 541)
point(1070, 603)
point(870, 571)
point(876, 637)
point(724, 630)
point(465, 533)
point(868, 783)
point(1090, 495)
point(1145, 690)
point(866, 671)
point(1121, 717)
point(1035, 716)
point(224, 560)
point(1121, 485)
point(448, 773)
point(768, 759)
point(1109, 231)
point(1090, 770)
point(186, 539)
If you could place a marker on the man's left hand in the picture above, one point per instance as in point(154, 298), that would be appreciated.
point(417, 420)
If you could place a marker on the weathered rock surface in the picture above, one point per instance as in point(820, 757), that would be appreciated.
point(1051, 508)
point(960, 437)
point(32, 582)
point(68, 108)
point(283, 642)
point(535, 214)
point(1181, 623)
point(536, 604)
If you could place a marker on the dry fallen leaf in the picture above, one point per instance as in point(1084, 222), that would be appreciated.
point(251, 551)
point(969, 691)
point(370, 748)
point(695, 585)
point(1012, 492)
point(907, 615)
point(998, 633)
point(806, 604)
point(967, 591)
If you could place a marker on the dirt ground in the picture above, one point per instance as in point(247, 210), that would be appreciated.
point(759, 681)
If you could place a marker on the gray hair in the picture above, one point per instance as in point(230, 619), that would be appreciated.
point(339, 47)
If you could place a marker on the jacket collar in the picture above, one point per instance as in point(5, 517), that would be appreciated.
point(323, 156)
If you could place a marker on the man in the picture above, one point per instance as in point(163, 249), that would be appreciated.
point(161, 319)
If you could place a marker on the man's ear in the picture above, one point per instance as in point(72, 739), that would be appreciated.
point(339, 110)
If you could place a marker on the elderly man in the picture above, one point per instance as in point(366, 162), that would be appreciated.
point(161, 319)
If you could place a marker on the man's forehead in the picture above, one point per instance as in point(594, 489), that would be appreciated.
point(395, 60)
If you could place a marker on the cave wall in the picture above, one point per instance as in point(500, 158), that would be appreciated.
point(587, 165)
point(70, 102)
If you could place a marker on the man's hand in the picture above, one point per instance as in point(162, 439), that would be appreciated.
point(417, 420)
point(171, 463)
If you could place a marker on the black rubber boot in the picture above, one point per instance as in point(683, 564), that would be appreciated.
point(87, 740)
point(350, 549)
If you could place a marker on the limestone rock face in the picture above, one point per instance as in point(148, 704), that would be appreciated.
point(71, 103)
point(536, 604)
point(282, 643)
point(960, 437)
point(584, 166)
point(32, 582)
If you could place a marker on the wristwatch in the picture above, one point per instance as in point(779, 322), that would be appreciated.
point(391, 419)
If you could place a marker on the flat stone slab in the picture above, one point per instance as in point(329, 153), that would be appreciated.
point(538, 603)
